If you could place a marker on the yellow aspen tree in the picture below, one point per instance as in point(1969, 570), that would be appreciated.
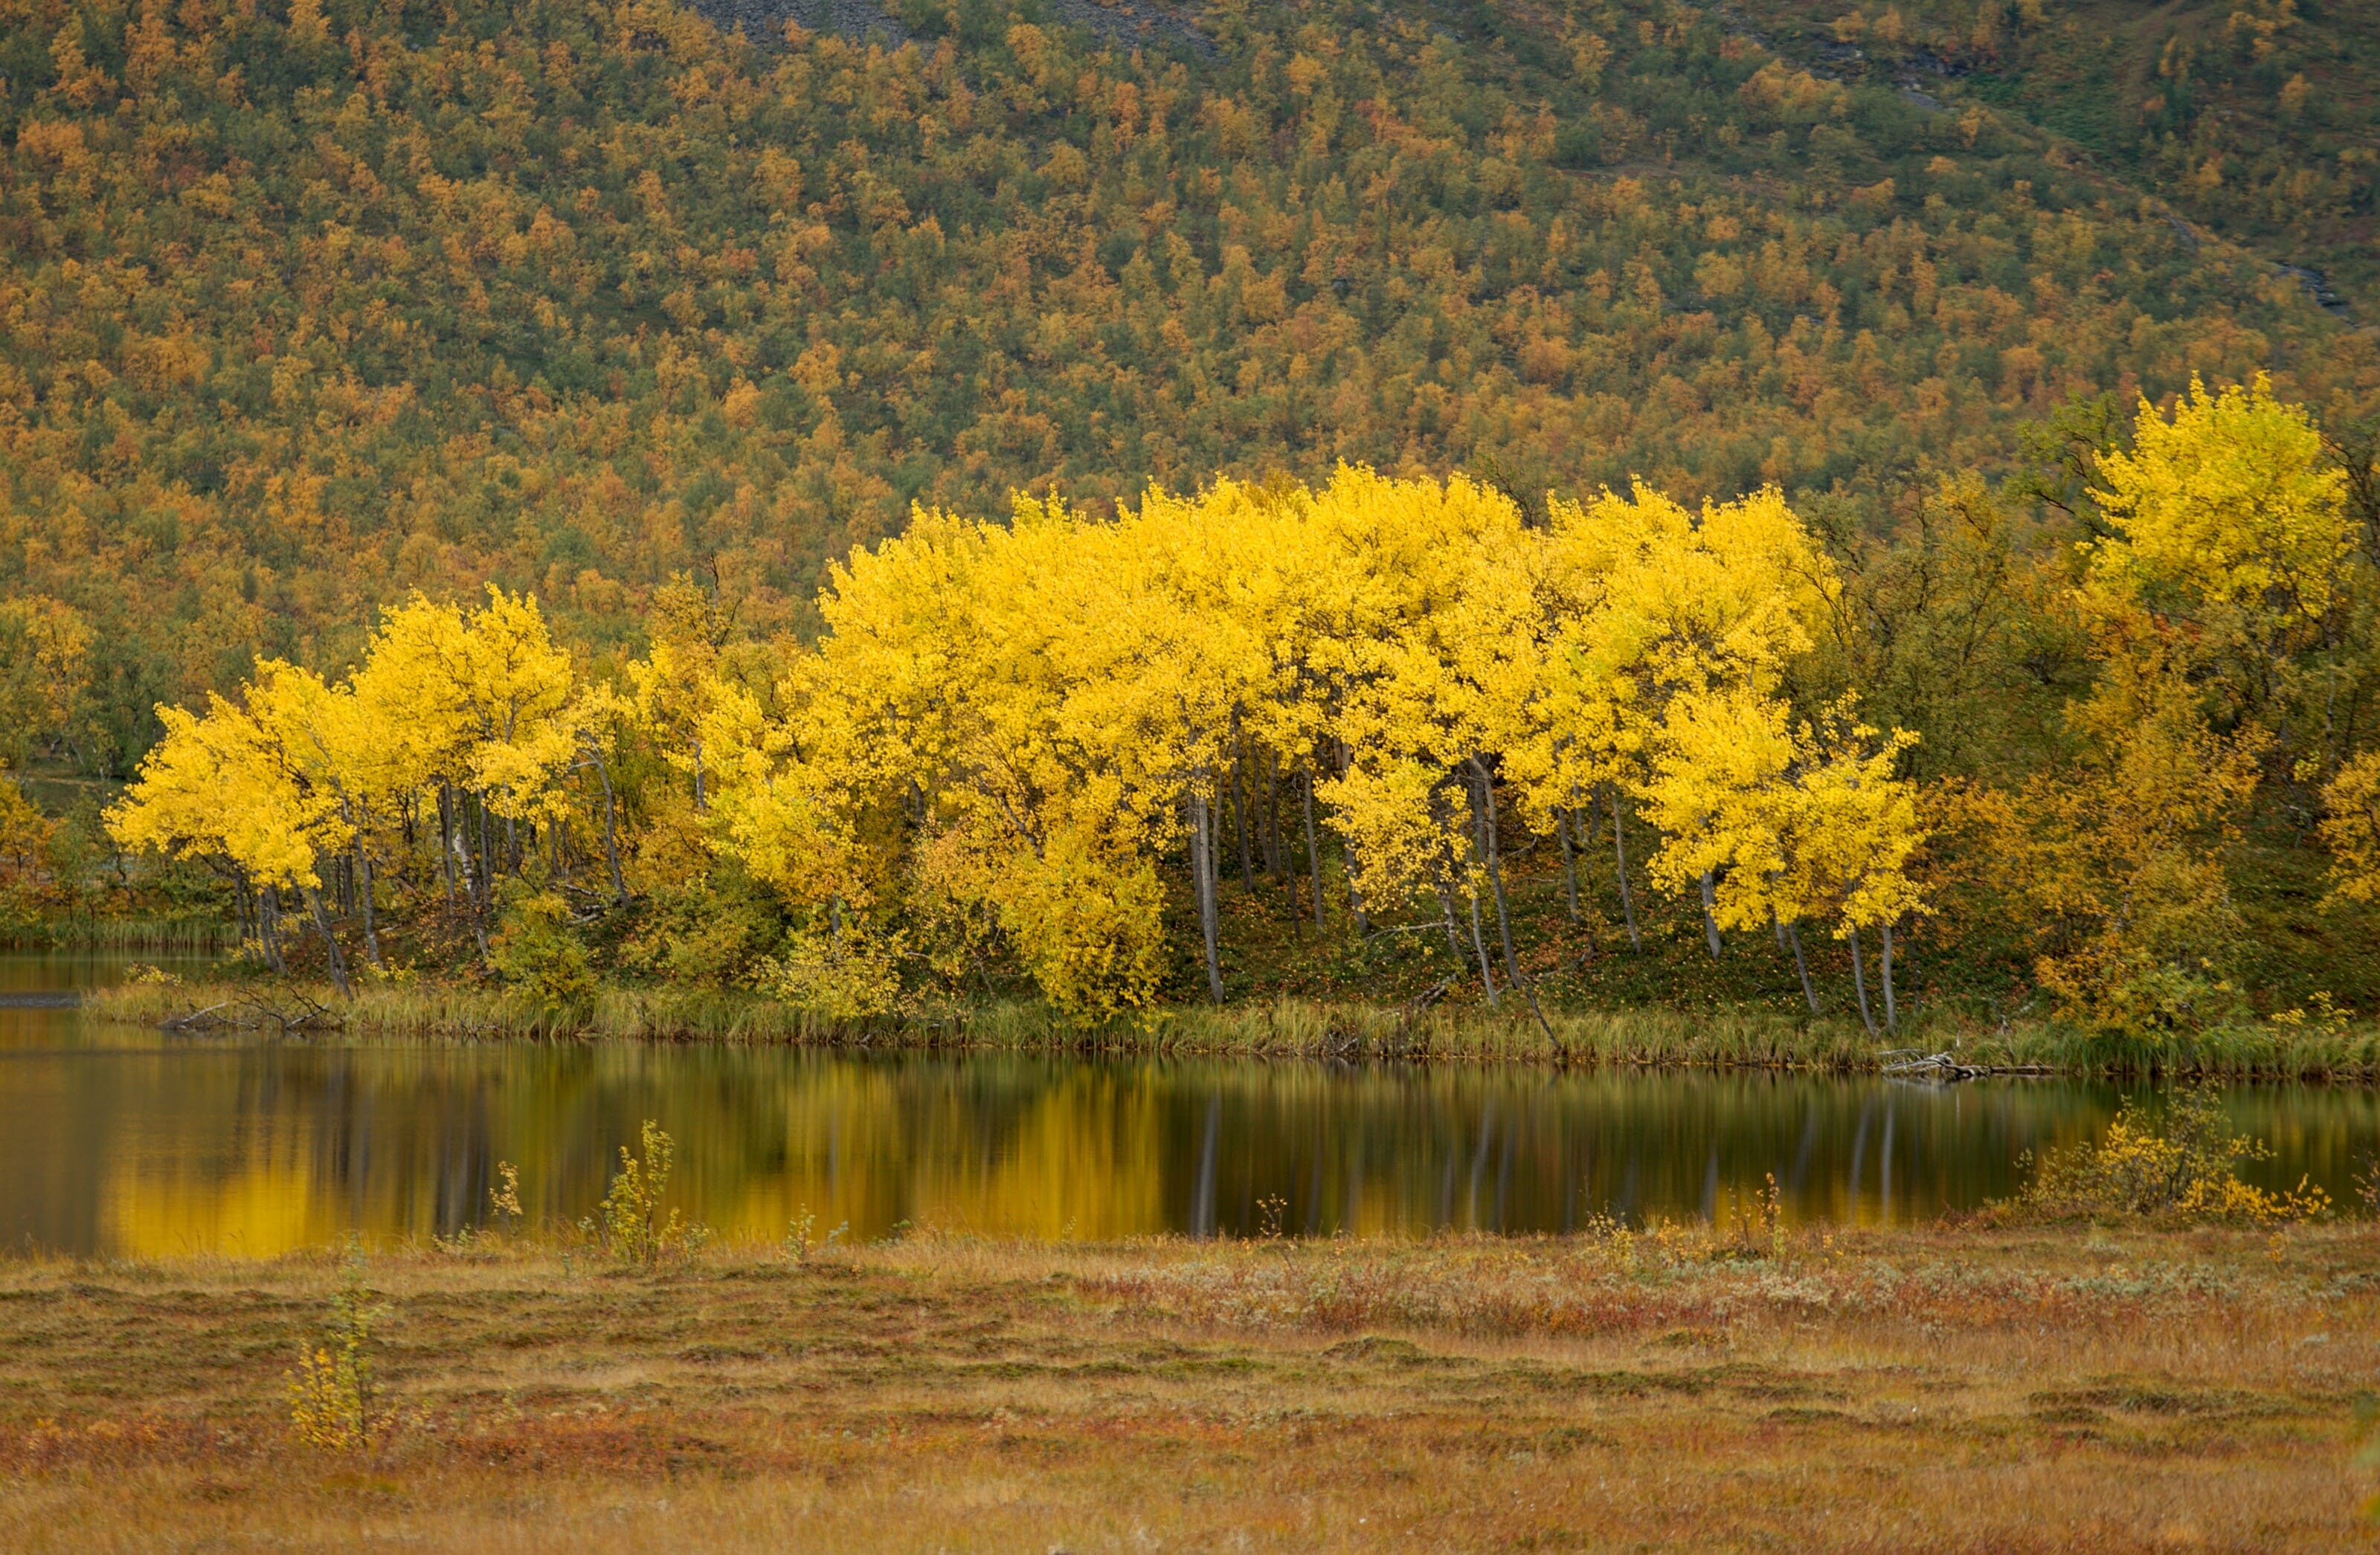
point(217, 787)
point(1415, 713)
point(487, 697)
point(44, 667)
point(1660, 602)
point(1720, 789)
point(2232, 539)
point(2351, 828)
point(334, 748)
point(1855, 829)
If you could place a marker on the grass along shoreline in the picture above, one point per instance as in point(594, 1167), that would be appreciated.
point(178, 935)
point(1282, 1028)
point(1950, 1386)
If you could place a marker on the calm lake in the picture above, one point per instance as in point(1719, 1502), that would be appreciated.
point(125, 1142)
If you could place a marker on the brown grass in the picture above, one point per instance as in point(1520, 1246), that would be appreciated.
point(1954, 1389)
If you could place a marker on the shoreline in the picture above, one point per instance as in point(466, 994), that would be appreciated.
point(1286, 1028)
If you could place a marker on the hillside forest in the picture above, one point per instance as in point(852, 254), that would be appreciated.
point(1594, 500)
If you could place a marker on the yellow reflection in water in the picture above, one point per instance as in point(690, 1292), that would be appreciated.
point(265, 1206)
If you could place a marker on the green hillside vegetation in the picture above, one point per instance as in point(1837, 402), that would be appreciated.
point(303, 307)
point(2255, 119)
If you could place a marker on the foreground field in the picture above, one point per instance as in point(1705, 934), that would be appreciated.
point(1948, 1388)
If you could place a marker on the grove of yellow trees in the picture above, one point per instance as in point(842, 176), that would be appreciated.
point(1041, 746)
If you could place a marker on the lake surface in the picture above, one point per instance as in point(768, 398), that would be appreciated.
point(127, 1142)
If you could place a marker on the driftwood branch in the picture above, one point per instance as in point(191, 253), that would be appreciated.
point(1916, 1063)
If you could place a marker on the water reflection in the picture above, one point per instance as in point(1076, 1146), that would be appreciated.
point(261, 1148)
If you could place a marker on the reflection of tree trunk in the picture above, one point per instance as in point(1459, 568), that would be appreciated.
point(1793, 937)
point(1710, 924)
point(1202, 1200)
point(1859, 982)
point(1620, 854)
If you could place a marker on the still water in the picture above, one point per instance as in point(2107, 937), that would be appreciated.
point(127, 1142)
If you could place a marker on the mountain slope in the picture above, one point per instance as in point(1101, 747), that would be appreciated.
point(2256, 119)
point(302, 308)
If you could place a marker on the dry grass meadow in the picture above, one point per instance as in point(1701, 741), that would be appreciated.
point(1948, 1388)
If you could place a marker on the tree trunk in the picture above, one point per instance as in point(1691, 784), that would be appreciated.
point(1355, 912)
point(269, 913)
point(1479, 944)
point(447, 838)
point(1710, 924)
point(1269, 813)
point(1570, 861)
point(1892, 1015)
point(1202, 859)
point(1313, 854)
point(611, 834)
point(1446, 911)
point(1496, 870)
point(364, 888)
point(1243, 792)
point(487, 870)
point(329, 942)
point(1446, 863)
point(1793, 937)
point(1503, 915)
point(1620, 853)
point(1859, 982)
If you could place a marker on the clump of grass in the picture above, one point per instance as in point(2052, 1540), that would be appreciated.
point(333, 1398)
point(2185, 1171)
point(628, 1225)
point(802, 1238)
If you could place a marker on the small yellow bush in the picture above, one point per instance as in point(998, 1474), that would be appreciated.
point(331, 1392)
point(2187, 1171)
point(628, 1224)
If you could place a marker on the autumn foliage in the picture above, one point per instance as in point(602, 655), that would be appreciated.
point(1038, 742)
